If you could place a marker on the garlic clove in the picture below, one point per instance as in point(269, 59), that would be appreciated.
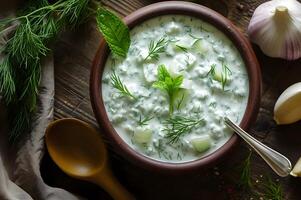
point(276, 28)
point(296, 172)
point(287, 109)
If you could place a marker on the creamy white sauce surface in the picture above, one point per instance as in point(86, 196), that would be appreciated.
point(202, 46)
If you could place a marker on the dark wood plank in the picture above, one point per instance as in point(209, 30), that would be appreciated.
point(73, 56)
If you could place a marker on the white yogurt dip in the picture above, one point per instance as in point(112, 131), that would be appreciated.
point(215, 84)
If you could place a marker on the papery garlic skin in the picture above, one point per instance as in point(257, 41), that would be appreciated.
point(276, 28)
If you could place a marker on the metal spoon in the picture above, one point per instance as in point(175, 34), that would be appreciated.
point(278, 162)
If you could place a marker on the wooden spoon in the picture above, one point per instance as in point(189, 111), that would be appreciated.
point(79, 151)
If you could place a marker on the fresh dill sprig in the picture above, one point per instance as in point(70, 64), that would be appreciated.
point(272, 190)
point(226, 72)
point(213, 104)
point(121, 87)
point(161, 150)
point(245, 177)
point(177, 126)
point(182, 48)
point(268, 189)
point(144, 122)
point(156, 48)
point(170, 85)
point(221, 76)
point(75, 11)
point(26, 45)
point(212, 71)
point(180, 102)
point(7, 83)
point(37, 24)
point(196, 39)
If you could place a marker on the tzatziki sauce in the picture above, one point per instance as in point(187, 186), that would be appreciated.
point(214, 85)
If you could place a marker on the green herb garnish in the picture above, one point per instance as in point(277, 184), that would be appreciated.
point(196, 39)
point(180, 102)
point(245, 177)
point(220, 76)
point(226, 72)
point(182, 48)
point(272, 190)
point(175, 127)
point(170, 85)
point(114, 31)
point(121, 87)
point(179, 157)
point(212, 71)
point(213, 104)
point(160, 148)
point(7, 82)
point(36, 25)
point(156, 48)
point(268, 189)
point(144, 122)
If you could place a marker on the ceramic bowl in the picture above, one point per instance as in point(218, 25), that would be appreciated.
point(221, 23)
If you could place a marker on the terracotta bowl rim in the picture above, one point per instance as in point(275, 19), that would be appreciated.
point(221, 23)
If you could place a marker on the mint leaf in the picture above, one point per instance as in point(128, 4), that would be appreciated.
point(170, 85)
point(163, 73)
point(115, 32)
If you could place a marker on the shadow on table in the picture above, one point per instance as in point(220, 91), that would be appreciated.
point(217, 183)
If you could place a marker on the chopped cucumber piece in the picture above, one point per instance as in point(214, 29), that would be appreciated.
point(222, 74)
point(201, 144)
point(173, 28)
point(142, 135)
point(190, 60)
point(218, 76)
point(200, 46)
point(150, 72)
point(187, 84)
point(183, 45)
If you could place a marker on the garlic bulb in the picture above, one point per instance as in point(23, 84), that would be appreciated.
point(276, 28)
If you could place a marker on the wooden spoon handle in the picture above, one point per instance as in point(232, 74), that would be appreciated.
point(109, 183)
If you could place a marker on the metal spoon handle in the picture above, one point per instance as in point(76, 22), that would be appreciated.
point(279, 163)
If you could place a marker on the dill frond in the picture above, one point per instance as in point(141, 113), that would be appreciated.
point(272, 190)
point(26, 45)
point(221, 76)
point(7, 83)
point(144, 122)
point(180, 102)
point(182, 48)
point(121, 87)
point(226, 72)
point(245, 177)
point(75, 11)
point(20, 71)
point(175, 127)
point(20, 120)
point(156, 48)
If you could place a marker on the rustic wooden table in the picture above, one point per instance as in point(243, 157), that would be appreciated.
point(73, 56)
